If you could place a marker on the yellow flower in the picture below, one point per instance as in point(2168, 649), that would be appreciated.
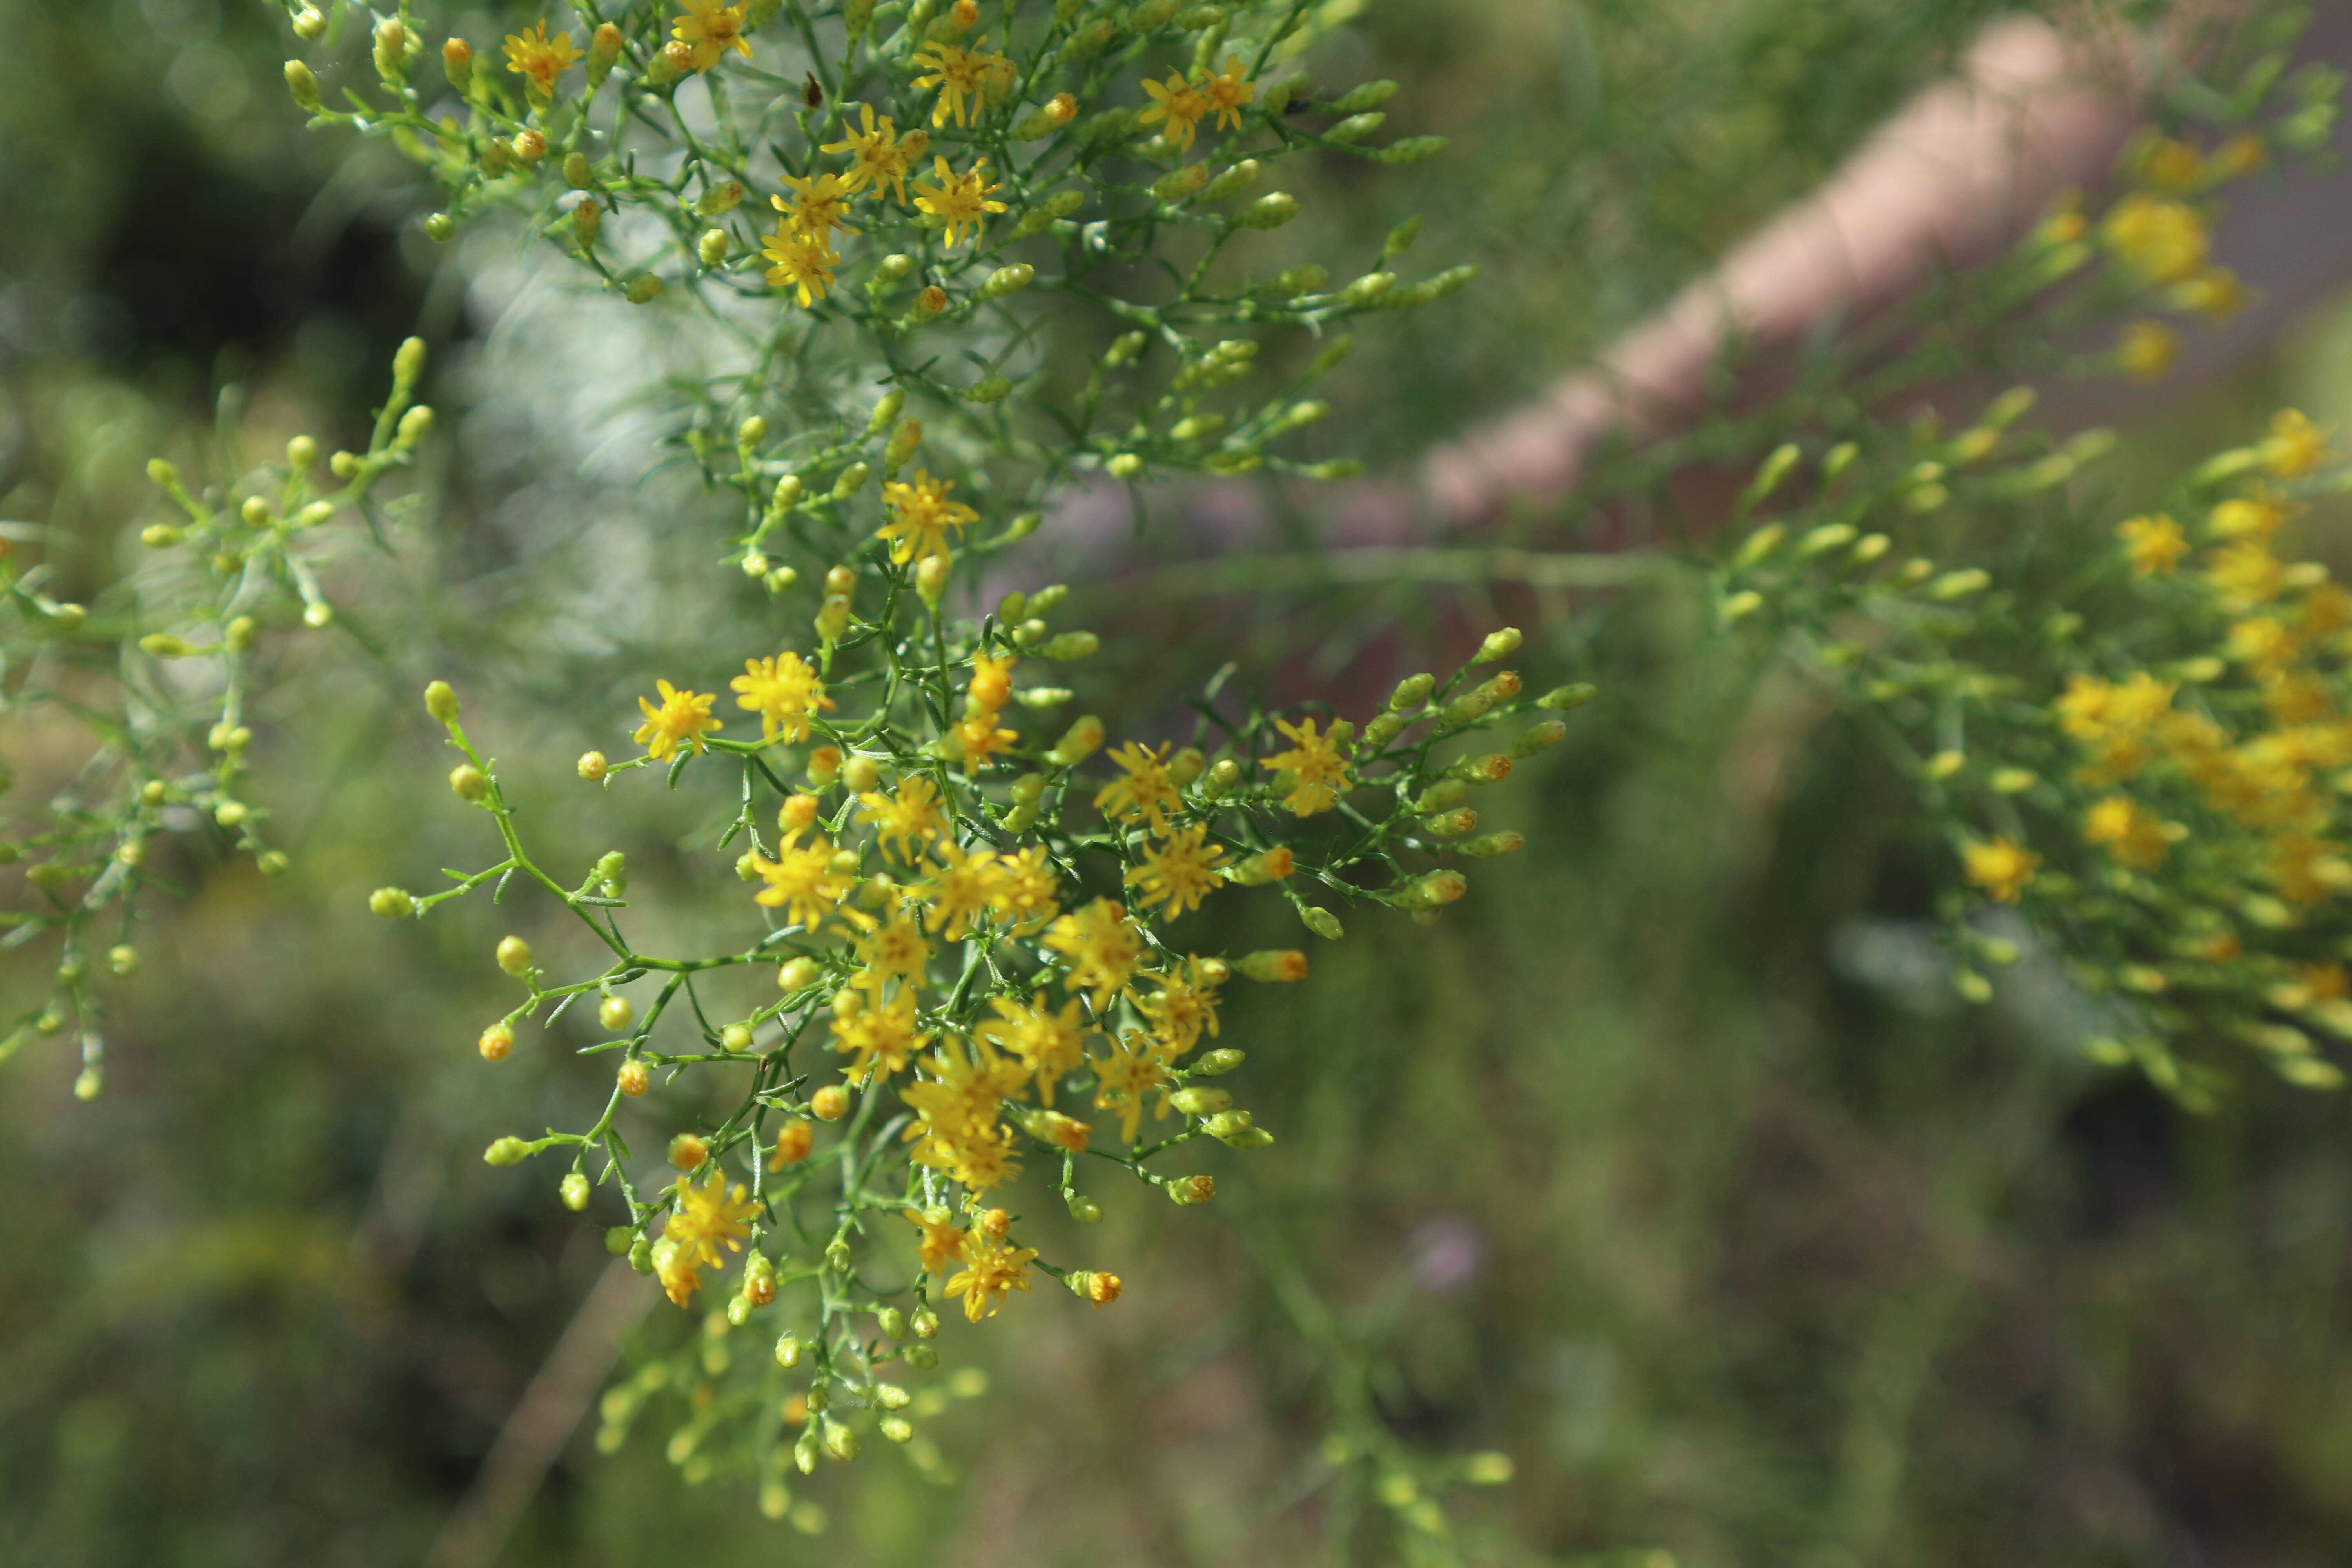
point(2294, 446)
point(940, 1243)
point(960, 1091)
point(2161, 240)
point(2244, 576)
point(1102, 946)
point(783, 692)
point(2305, 870)
point(1145, 793)
point(990, 1268)
point(2000, 868)
point(820, 204)
point(2173, 165)
point(957, 199)
point(711, 29)
point(960, 894)
point(1178, 871)
point(1182, 1009)
point(709, 1218)
point(2258, 517)
point(541, 59)
point(2146, 350)
point(879, 1034)
point(878, 157)
point(978, 737)
point(682, 716)
point(990, 685)
point(1178, 103)
point(1125, 1076)
point(802, 881)
point(1226, 94)
point(906, 822)
point(1050, 1044)
point(2131, 834)
point(894, 949)
point(2262, 641)
point(2154, 544)
point(959, 73)
point(1318, 773)
point(2213, 292)
point(1029, 895)
point(802, 262)
point(920, 516)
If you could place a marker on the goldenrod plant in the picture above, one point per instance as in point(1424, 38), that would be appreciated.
point(935, 267)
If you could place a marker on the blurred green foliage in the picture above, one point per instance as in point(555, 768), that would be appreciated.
point(1658, 1165)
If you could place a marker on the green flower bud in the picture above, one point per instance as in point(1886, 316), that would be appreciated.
point(391, 903)
point(1411, 149)
point(619, 1239)
point(1369, 95)
point(1563, 698)
point(1232, 183)
point(470, 784)
point(645, 287)
point(1084, 1209)
point(1322, 922)
point(1355, 127)
point(1271, 210)
point(575, 1192)
point(302, 85)
point(507, 1151)
point(514, 955)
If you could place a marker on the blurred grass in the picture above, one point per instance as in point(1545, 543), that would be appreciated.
point(1656, 1164)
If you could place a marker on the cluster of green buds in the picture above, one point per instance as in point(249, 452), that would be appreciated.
point(156, 675)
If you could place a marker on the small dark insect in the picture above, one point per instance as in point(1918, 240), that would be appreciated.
point(813, 94)
point(1300, 102)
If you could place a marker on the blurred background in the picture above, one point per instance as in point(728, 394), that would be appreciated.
point(1667, 1164)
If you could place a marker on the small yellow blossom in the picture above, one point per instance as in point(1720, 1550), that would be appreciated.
point(801, 262)
point(1178, 871)
point(2001, 867)
point(2154, 544)
point(1050, 1044)
point(1144, 793)
point(541, 59)
point(783, 692)
point(2132, 835)
point(1178, 103)
point(961, 893)
point(2306, 869)
point(2213, 292)
point(990, 1268)
point(2173, 165)
point(683, 716)
point(920, 516)
point(1227, 93)
point(1182, 1008)
point(878, 157)
point(1028, 895)
point(2294, 446)
point(1317, 773)
point(906, 822)
point(709, 1218)
point(941, 1242)
point(710, 29)
point(959, 73)
point(2161, 240)
point(958, 201)
point(2145, 350)
point(2257, 517)
point(802, 881)
point(977, 737)
point(819, 206)
point(879, 1034)
point(894, 949)
point(1126, 1076)
point(1102, 946)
